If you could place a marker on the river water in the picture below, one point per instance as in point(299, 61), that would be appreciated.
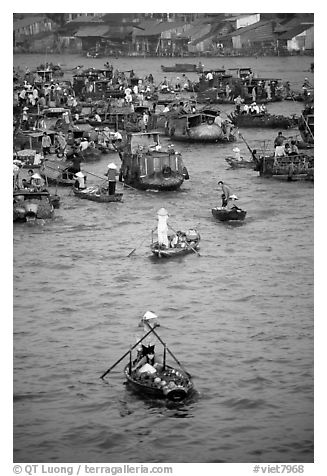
point(239, 317)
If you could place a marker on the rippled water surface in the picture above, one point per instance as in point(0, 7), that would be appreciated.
point(239, 317)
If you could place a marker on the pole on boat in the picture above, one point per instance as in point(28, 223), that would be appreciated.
point(126, 353)
point(169, 351)
point(164, 356)
point(189, 246)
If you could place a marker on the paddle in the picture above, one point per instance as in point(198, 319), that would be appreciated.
point(189, 246)
point(130, 254)
point(98, 176)
point(126, 353)
point(169, 351)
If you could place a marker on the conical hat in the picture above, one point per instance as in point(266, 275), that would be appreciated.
point(112, 166)
point(162, 212)
point(149, 315)
point(36, 176)
point(79, 174)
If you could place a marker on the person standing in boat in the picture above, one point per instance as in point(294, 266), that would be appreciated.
point(111, 174)
point(162, 228)
point(226, 193)
point(46, 144)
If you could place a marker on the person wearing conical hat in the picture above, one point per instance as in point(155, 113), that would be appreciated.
point(111, 174)
point(162, 227)
point(79, 180)
point(37, 181)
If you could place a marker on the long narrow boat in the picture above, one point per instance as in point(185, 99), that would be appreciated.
point(185, 243)
point(240, 164)
point(262, 120)
point(228, 214)
point(96, 194)
point(183, 68)
point(290, 168)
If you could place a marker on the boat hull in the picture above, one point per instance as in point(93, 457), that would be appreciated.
point(181, 386)
point(92, 193)
point(261, 120)
point(240, 164)
point(223, 214)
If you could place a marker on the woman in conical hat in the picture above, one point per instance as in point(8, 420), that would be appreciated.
point(162, 227)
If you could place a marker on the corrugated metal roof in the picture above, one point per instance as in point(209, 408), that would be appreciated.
point(155, 29)
point(86, 19)
point(288, 35)
point(96, 30)
point(255, 27)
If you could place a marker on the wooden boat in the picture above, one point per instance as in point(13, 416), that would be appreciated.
point(306, 125)
point(227, 214)
point(146, 167)
point(197, 127)
point(291, 167)
point(56, 172)
point(183, 68)
point(240, 164)
point(167, 382)
point(261, 120)
point(97, 194)
point(186, 243)
point(150, 375)
point(30, 205)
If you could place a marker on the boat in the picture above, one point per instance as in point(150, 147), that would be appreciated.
point(198, 127)
point(183, 68)
point(240, 164)
point(186, 242)
point(30, 205)
point(150, 375)
point(261, 120)
point(57, 172)
point(290, 167)
point(97, 194)
point(228, 214)
point(306, 124)
point(145, 166)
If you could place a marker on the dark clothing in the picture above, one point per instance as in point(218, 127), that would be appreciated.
point(112, 188)
point(279, 141)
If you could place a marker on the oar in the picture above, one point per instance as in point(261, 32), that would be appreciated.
point(189, 246)
point(134, 249)
point(126, 353)
point(169, 351)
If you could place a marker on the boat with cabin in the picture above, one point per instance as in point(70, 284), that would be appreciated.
point(57, 172)
point(146, 166)
point(263, 119)
point(198, 127)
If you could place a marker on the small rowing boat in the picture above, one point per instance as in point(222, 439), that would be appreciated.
point(240, 164)
point(149, 374)
point(227, 214)
point(96, 194)
point(180, 243)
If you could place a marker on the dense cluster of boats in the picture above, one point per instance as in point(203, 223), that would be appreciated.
point(59, 124)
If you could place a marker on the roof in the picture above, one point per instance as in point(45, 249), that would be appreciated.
point(29, 21)
point(288, 35)
point(156, 28)
point(86, 19)
point(94, 30)
point(250, 28)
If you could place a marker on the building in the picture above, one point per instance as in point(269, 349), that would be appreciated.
point(161, 38)
point(28, 27)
